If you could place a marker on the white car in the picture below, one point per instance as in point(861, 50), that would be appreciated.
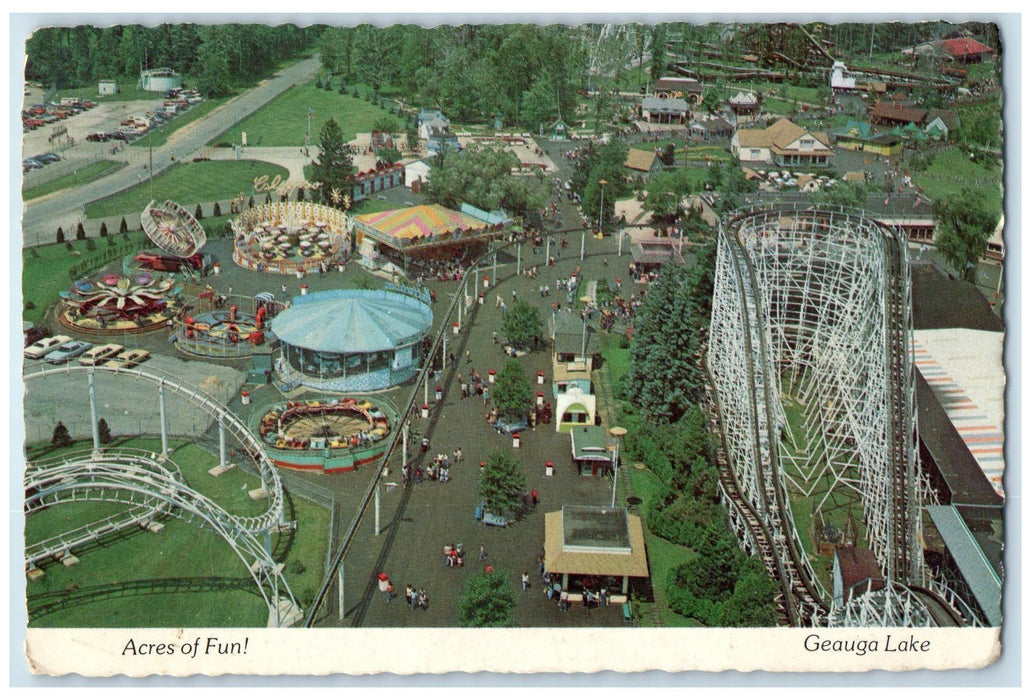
point(44, 346)
point(100, 354)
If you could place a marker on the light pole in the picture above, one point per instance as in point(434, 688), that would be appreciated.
point(616, 432)
point(601, 212)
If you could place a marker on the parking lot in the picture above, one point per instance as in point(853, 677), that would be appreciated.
point(67, 137)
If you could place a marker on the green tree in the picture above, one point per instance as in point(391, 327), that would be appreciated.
point(608, 165)
point(513, 392)
point(522, 324)
point(333, 166)
point(751, 603)
point(666, 192)
point(487, 600)
point(104, 431)
point(482, 176)
point(965, 223)
point(386, 124)
point(61, 437)
point(502, 483)
point(389, 155)
point(658, 46)
point(214, 58)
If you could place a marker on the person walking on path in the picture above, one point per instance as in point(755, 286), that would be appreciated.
point(410, 596)
point(483, 552)
point(533, 497)
point(526, 580)
point(385, 586)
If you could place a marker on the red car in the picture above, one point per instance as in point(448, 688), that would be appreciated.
point(33, 333)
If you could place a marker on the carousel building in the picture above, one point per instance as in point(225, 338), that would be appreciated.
point(353, 339)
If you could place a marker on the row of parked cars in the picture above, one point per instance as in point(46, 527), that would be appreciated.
point(40, 161)
point(41, 114)
point(60, 349)
point(134, 126)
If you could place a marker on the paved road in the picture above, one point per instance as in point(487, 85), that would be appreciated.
point(41, 219)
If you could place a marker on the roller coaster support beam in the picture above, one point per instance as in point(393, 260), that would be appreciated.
point(340, 592)
point(94, 426)
point(377, 511)
point(164, 422)
point(221, 443)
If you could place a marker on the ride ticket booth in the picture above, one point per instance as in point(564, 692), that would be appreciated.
point(591, 456)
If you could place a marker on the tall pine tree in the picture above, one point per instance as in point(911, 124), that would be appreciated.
point(333, 166)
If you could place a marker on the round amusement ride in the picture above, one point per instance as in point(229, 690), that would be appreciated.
point(290, 238)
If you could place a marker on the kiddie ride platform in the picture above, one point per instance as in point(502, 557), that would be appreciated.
point(329, 435)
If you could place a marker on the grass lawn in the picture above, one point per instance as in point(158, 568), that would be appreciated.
point(284, 120)
point(93, 171)
point(188, 184)
point(184, 576)
point(617, 359)
point(159, 136)
point(45, 268)
point(951, 171)
point(371, 206)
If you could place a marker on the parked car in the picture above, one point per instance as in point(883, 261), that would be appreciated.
point(33, 333)
point(67, 351)
point(43, 346)
point(30, 164)
point(100, 354)
point(489, 518)
point(510, 426)
point(127, 359)
point(47, 158)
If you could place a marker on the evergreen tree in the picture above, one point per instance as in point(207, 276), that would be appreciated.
point(512, 393)
point(104, 432)
point(60, 234)
point(333, 166)
point(487, 600)
point(61, 436)
point(80, 232)
point(751, 604)
point(502, 484)
point(103, 229)
point(123, 227)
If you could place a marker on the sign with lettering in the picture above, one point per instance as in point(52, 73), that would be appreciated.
point(276, 184)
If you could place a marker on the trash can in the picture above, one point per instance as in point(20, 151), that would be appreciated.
point(454, 327)
point(540, 377)
point(549, 469)
point(245, 397)
point(515, 440)
point(490, 377)
point(425, 411)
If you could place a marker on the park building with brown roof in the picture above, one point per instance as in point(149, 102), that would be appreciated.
point(783, 143)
